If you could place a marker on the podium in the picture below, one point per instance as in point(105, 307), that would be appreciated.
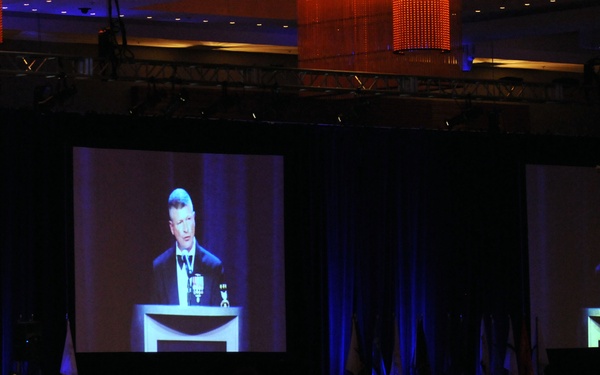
point(172, 328)
point(592, 319)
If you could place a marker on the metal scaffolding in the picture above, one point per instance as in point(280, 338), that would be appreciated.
point(289, 79)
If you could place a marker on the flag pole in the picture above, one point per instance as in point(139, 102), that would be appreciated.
point(537, 348)
point(68, 187)
point(68, 364)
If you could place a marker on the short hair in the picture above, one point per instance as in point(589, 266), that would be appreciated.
point(180, 198)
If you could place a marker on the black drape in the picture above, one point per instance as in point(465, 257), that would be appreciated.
point(388, 225)
point(34, 261)
point(419, 225)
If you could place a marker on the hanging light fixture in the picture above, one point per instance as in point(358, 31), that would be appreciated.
point(421, 25)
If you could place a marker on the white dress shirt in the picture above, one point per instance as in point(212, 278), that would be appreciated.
point(182, 272)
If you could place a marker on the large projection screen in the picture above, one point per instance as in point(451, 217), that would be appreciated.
point(121, 224)
point(563, 210)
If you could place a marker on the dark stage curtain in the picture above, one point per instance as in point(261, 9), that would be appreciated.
point(386, 225)
point(419, 226)
point(34, 285)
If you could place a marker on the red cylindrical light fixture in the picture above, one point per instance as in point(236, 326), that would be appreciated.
point(421, 25)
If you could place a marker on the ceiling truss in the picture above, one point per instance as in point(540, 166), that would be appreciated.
point(304, 81)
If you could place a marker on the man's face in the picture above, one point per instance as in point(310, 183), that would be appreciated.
point(183, 226)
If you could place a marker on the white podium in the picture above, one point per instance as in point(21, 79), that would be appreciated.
point(592, 318)
point(171, 328)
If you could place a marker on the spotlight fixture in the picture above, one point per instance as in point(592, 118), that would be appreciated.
point(47, 97)
point(455, 121)
point(84, 10)
point(466, 116)
point(176, 101)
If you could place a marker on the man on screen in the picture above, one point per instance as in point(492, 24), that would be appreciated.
point(186, 273)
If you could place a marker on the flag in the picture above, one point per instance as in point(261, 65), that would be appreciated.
point(525, 366)
point(450, 339)
point(497, 347)
point(455, 346)
point(354, 363)
point(396, 367)
point(510, 359)
point(540, 356)
point(378, 365)
point(68, 365)
point(420, 360)
point(484, 351)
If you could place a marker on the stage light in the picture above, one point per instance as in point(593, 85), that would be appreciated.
point(46, 97)
point(421, 25)
point(464, 118)
point(177, 101)
point(455, 121)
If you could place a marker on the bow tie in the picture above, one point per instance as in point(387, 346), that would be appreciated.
point(182, 259)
